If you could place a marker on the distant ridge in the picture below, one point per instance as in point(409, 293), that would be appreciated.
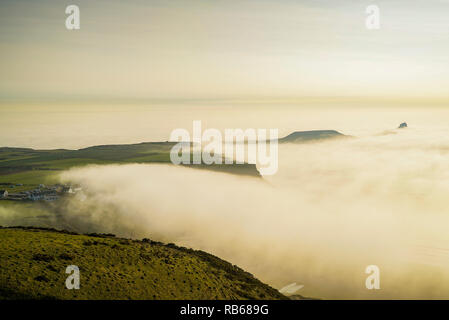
point(22, 160)
point(313, 135)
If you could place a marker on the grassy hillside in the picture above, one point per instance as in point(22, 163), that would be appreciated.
point(33, 263)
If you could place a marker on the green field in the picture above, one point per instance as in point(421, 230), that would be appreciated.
point(25, 213)
point(33, 264)
point(31, 167)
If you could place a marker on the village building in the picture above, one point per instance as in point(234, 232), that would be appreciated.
point(3, 194)
point(35, 197)
point(41, 193)
point(51, 197)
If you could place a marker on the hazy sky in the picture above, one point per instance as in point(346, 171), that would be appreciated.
point(223, 49)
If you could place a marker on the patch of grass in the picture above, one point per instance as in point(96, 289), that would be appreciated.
point(30, 178)
point(25, 214)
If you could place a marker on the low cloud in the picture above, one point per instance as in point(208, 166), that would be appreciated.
point(332, 209)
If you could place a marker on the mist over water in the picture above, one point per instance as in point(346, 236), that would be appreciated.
point(74, 126)
point(332, 209)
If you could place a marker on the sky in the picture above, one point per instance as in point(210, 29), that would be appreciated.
point(223, 49)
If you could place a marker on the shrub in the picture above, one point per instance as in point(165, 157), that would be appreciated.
point(42, 257)
point(41, 279)
point(65, 256)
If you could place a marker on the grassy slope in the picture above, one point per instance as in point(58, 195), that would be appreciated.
point(33, 263)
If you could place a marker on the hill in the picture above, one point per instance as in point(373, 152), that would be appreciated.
point(311, 136)
point(34, 260)
point(30, 167)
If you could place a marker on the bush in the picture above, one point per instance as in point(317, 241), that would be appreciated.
point(41, 279)
point(42, 257)
point(65, 256)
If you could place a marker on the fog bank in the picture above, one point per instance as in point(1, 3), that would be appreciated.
point(331, 210)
